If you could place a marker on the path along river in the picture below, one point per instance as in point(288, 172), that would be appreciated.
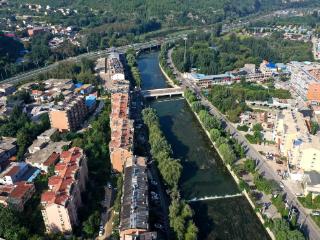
point(220, 210)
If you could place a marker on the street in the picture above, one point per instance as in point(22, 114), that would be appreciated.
point(307, 225)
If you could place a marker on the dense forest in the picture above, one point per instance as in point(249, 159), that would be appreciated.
point(212, 54)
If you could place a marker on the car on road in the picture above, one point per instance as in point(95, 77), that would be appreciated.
point(153, 182)
point(281, 185)
point(101, 230)
point(158, 226)
point(315, 213)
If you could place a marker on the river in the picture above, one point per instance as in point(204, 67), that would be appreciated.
point(220, 211)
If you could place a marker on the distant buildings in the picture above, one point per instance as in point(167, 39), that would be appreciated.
point(61, 202)
point(68, 114)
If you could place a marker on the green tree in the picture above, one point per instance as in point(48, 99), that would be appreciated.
point(215, 134)
point(91, 225)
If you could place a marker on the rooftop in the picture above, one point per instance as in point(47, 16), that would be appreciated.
point(134, 208)
point(60, 185)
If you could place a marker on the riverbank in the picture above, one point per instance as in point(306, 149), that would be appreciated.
point(169, 80)
point(232, 173)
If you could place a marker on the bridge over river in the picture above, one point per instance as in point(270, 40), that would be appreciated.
point(163, 92)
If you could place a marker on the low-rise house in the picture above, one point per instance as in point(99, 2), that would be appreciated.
point(8, 148)
point(46, 157)
point(41, 141)
point(6, 89)
point(14, 173)
point(17, 194)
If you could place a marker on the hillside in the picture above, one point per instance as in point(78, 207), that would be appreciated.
point(169, 11)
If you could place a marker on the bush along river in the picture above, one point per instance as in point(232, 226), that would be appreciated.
point(221, 212)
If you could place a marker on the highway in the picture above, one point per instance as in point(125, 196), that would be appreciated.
point(90, 55)
point(304, 219)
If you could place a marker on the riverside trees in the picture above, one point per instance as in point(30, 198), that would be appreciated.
point(180, 213)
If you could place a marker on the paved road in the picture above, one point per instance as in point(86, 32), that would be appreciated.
point(90, 55)
point(305, 221)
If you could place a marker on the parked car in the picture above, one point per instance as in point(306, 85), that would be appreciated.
point(315, 213)
point(158, 226)
point(281, 185)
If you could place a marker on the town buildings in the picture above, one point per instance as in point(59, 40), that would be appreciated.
point(305, 80)
point(61, 202)
point(68, 114)
point(294, 141)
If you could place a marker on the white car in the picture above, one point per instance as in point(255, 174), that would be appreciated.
point(315, 213)
point(281, 185)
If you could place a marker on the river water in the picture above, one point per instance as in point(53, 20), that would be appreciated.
point(220, 211)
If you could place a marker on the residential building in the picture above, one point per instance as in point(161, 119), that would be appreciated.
point(8, 148)
point(68, 114)
point(305, 79)
point(46, 157)
point(6, 89)
point(17, 194)
point(121, 143)
point(291, 134)
point(313, 93)
point(41, 141)
point(61, 202)
point(121, 131)
point(14, 173)
point(134, 217)
point(113, 67)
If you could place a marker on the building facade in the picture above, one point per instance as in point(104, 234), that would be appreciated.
point(68, 114)
point(61, 202)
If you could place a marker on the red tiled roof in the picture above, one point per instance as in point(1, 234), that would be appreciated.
point(21, 189)
point(13, 171)
point(52, 159)
point(64, 178)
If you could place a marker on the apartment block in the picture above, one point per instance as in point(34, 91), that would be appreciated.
point(113, 75)
point(119, 106)
point(113, 67)
point(121, 144)
point(134, 217)
point(313, 94)
point(305, 80)
point(61, 202)
point(292, 136)
point(68, 114)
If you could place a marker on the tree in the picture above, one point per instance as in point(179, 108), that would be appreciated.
point(227, 153)
point(314, 128)
point(257, 127)
point(215, 134)
point(250, 165)
point(91, 225)
point(192, 231)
